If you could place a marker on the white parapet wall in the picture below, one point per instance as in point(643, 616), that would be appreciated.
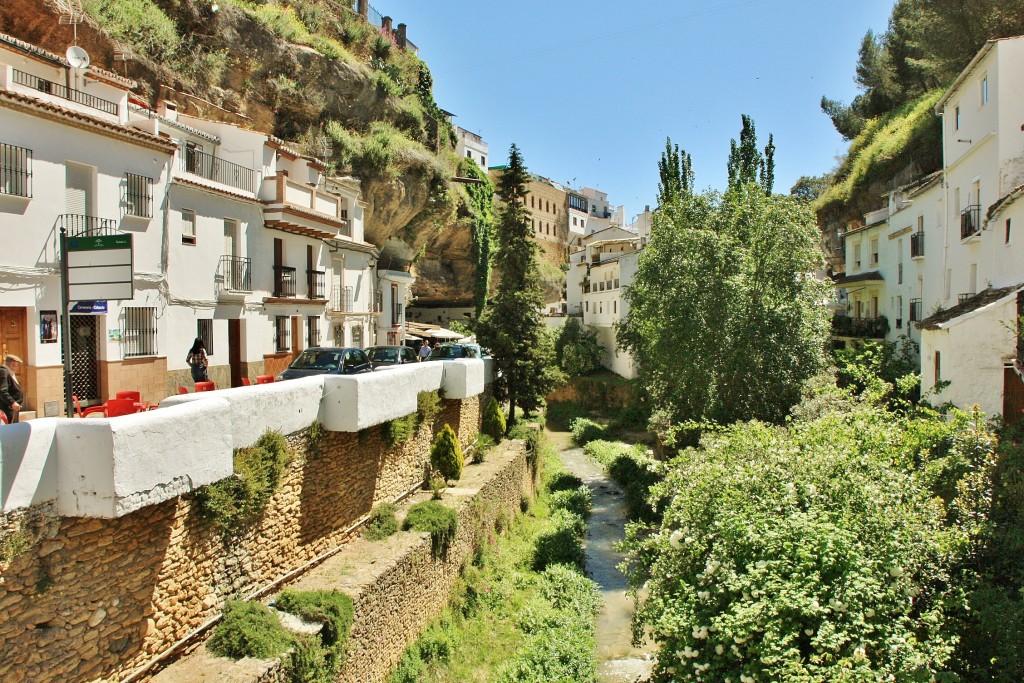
point(355, 402)
point(111, 467)
point(463, 378)
point(28, 463)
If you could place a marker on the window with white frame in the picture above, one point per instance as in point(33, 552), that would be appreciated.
point(138, 331)
point(188, 226)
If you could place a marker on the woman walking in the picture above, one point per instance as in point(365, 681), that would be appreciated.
point(197, 361)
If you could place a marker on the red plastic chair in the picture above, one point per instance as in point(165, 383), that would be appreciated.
point(120, 406)
point(205, 386)
point(246, 382)
point(264, 379)
point(88, 411)
point(133, 395)
point(182, 390)
point(3, 419)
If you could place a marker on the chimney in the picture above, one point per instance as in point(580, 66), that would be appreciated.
point(363, 7)
point(385, 24)
point(401, 36)
point(169, 110)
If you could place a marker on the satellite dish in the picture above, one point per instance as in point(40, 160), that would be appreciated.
point(77, 57)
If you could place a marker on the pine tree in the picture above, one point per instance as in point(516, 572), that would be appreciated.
point(511, 326)
point(675, 170)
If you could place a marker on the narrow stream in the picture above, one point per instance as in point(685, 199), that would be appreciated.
point(618, 661)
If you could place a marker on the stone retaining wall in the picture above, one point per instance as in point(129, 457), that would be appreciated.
point(98, 598)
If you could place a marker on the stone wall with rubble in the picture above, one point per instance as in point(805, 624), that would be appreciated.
point(87, 598)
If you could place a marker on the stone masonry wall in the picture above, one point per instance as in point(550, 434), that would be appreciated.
point(94, 598)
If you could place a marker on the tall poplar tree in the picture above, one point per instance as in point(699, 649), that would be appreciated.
point(675, 171)
point(511, 326)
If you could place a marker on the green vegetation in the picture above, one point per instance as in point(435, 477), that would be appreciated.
point(317, 659)
point(634, 470)
point(481, 446)
point(316, 437)
point(494, 421)
point(584, 431)
point(382, 523)
point(446, 454)
point(398, 431)
point(235, 501)
point(480, 203)
point(12, 544)
point(139, 23)
point(249, 629)
point(511, 327)
point(432, 516)
point(675, 173)
point(576, 349)
point(508, 622)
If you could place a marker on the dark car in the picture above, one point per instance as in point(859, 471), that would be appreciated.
point(454, 351)
point(328, 360)
point(390, 355)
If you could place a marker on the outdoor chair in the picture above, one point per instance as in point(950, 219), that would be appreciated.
point(132, 395)
point(264, 379)
point(205, 386)
point(116, 407)
point(79, 412)
point(182, 390)
point(246, 382)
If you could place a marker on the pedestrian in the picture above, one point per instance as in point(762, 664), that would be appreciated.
point(197, 361)
point(11, 394)
point(424, 349)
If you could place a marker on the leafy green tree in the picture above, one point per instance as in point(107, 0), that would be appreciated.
point(576, 349)
point(725, 319)
point(809, 188)
point(745, 160)
point(511, 326)
point(675, 170)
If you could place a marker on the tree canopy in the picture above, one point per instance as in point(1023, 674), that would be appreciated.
point(511, 326)
point(675, 172)
point(726, 318)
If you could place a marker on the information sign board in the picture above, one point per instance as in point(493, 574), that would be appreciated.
point(100, 268)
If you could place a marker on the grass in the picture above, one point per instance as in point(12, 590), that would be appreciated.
point(440, 521)
point(507, 621)
point(382, 523)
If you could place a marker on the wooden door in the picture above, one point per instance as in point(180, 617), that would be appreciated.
point(297, 334)
point(1013, 395)
point(235, 351)
point(14, 339)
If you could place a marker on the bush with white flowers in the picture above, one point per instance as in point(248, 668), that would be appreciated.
point(821, 551)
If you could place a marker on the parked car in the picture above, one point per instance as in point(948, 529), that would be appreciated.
point(328, 360)
point(382, 356)
point(454, 351)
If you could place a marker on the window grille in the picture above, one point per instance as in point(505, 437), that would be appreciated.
point(313, 329)
point(205, 332)
point(281, 333)
point(138, 196)
point(139, 331)
point(15, 170)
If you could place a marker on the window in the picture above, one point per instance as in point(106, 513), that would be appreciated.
point(1006, 240)
point(15, 170)
point(874, 252)
point(204, 330)
point(856, 256)
point(281, 333)
point(138, 196)
point(357, 335)
point(956, 118)
point(899, 312)
point(938, 368)
point(138, 331)
point(469, 154)
point(587, 304)
point(483, 160)
point(615, 307)
point(313, 331)
point(984, 89)
point(188, 226)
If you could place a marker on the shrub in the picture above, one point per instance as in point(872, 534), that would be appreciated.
point(398, 431)
point(584, 431)
point(563, 481)
point(309, 661)
point(573, 522)
point(560, 414)
point(481, 447)
point(330, 608)
point(634, 471)
point(560, 545)
point(381, 524)
point(578, 500)
point(428, 405)
point(446, 454)
point(433, 517)
point(249, 629)
point(232, 502)
point(494, 421)
point(576, 349)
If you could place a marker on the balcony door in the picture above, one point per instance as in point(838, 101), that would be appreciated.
point(79, 190)
point(337, 292)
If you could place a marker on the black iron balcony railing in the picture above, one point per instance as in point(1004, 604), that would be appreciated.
point(284, 281)
point(964, 296)
point(78, 225)
point(970, 221)
point(915, 310)
point(218, 170)
point(869, 328)
point(917, 244)
point(236, 273)
point(316, 284)
point(342, 300)
point(65, 93)
point(138, 196)
point(15, 170)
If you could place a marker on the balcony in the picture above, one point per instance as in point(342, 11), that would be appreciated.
point(865, 328)
point(915, 310)
point(964, 296)
point(65, 93)
point(79, 225)
point(970, 221)
point(15, 171)
point(284, 281)
point(316, 284)
point(917, 245)
point(235, 273)
point(218, 170)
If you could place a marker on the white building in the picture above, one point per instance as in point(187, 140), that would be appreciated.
point(472, 146)
point(237, 239)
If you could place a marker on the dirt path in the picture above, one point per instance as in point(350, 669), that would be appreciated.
point(618, 661)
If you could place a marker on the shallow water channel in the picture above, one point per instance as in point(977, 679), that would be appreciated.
point(618, 660)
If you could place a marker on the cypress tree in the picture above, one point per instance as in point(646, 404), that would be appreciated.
point(511, 326)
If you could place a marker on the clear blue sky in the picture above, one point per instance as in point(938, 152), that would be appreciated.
point(589, 89)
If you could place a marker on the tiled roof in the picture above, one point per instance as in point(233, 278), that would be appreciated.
point(95, 71)
point(1004, 201)
point(979, 300)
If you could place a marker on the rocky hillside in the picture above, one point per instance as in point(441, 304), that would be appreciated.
point(314, 73)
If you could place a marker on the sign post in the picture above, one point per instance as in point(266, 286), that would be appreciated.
point(93, 268)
